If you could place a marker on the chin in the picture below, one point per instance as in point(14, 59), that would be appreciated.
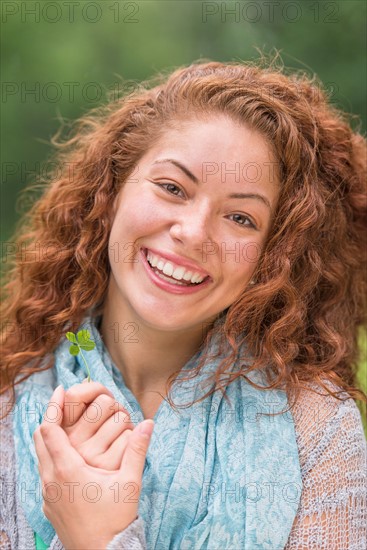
point(168, 324)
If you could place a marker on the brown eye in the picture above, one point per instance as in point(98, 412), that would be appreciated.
point(241, 218)
point(170, 188)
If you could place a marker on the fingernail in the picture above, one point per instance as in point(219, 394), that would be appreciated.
point(146, 427)
point(57, 394)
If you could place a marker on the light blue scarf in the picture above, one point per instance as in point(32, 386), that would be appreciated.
point(218, 474)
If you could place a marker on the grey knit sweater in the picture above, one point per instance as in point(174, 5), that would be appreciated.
point(332, 514)
point(15, 532)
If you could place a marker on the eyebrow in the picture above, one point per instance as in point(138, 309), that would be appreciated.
point(193, 178)
point(181, 167)
point(255, 196)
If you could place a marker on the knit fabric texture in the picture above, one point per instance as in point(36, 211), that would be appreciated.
point(214, 476)
point(333, 507)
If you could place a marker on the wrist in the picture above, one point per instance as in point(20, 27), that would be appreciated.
point(116, 534)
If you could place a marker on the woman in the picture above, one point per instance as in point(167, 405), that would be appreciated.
point(208, 232)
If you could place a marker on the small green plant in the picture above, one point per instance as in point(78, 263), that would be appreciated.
point(82, 341)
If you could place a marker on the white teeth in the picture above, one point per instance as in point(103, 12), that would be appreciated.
point(170, 270)
point(178, 273)
point(170, 280)
point(195, 278)
point(154, 261)
point(187, 276)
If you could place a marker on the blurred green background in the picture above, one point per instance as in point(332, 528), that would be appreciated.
point(60, 58)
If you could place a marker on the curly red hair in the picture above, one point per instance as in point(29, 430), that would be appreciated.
point(301, 318)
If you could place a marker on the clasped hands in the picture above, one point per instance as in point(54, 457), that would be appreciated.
point(91, 461)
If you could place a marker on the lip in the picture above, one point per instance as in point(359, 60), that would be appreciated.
point(165, 285)
point(180, 262)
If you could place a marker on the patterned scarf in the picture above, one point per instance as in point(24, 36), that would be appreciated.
point(218, 474)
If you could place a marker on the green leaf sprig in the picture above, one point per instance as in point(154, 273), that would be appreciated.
point(82, 341)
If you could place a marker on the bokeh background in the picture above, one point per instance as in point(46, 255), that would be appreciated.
point(60, 59)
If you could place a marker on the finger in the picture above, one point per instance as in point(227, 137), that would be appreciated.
point(116, 451)
point(104, 437)
point(133, 461)
point(41, 451)
point(54, 411)
point(55, 404)
point(61, 453)
point(110, 459)
point(78, 397)
point(112, 428)
point(93, 418)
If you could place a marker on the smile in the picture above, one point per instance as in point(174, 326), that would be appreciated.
point(172, 277)
point(171, 270)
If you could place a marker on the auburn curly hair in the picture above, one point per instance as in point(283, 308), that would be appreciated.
point(301, 318)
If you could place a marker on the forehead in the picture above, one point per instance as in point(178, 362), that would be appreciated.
point(215, 139)
point(217, 148)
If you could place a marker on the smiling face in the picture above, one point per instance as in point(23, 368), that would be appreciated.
point(199, 207)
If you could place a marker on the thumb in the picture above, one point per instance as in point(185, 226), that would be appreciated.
point(133, 461)
point(55, 407)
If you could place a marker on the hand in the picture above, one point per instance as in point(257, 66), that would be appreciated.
point(87, 506)
point(97, 425)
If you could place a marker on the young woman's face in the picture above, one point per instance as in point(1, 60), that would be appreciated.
point(182, 210)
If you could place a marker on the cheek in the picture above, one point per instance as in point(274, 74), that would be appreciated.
point(235, 279)
point(239, 256)
point(236, 276)
point(138, 217)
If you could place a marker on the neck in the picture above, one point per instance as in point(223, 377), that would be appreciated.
point(145, 356)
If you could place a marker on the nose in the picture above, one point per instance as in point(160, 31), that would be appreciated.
point(193, 227)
